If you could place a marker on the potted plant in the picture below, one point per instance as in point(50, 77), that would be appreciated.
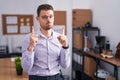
point(18, 65)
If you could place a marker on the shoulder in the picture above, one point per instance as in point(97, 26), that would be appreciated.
point(55, 34)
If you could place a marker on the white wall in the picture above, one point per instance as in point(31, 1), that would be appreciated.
point(83, 4)
point(29, 7)
point(106, 15)
point(16, 7)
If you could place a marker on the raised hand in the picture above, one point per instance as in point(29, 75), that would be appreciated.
point(63, 39)
point(33, 40)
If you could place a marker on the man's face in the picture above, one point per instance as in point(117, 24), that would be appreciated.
point(46, 19)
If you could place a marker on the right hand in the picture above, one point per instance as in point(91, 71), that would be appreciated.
point(33, 40)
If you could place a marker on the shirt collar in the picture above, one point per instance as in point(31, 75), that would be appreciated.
point(41, 35)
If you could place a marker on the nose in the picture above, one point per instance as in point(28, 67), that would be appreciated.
point(49, 19)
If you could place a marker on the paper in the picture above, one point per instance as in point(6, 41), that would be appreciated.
point(12, 29)
point(11, 20)
point(79, 59)
point(75, 58)
point(24, 29)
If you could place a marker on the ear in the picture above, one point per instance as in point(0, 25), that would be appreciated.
point(37, 18)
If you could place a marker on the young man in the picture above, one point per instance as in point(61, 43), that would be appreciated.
point(45, 51)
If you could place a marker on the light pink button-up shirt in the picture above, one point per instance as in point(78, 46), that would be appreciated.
point(47, 57)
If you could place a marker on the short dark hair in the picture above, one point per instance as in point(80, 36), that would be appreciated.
point(44, 7)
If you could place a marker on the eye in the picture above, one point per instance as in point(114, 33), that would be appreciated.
point(51, 16)
point(44, 17)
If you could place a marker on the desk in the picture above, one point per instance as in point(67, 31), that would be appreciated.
point(113, 61)
point(8, 71)
point(7, 55)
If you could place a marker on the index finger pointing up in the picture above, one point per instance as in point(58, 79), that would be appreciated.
point(32, 30)
point(63, 30)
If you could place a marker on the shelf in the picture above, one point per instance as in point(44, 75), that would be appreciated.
point(7, 55)
point(77, 51)
point(76, 66)
point(88, 28)
point(81, 76)
point(82, 30)
point(79, 61)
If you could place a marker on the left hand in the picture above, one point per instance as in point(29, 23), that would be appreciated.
point(63, 39)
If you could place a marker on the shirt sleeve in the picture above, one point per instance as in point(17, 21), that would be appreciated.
point(65, 58)
point(27, 57)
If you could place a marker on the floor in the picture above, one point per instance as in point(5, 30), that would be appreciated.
point(8, 71)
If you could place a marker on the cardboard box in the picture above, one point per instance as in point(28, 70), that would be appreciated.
point(110, 78)
point(82, 12)
point(77, 43)
point(89, 66)
point(79, 24)
point(81, 17)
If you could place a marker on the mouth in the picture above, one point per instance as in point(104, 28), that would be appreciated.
point(49, 24)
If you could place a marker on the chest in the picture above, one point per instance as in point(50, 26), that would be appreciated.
point(45, 48)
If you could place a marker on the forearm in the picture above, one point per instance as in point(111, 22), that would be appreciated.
point(27, 60)
point(65, 58)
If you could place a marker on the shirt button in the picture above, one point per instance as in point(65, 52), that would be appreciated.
point(47, 68)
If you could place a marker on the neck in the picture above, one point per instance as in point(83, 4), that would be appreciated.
point(46, 33)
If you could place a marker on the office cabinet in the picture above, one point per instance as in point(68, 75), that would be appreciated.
point(82, 66)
